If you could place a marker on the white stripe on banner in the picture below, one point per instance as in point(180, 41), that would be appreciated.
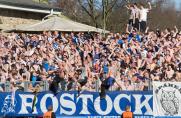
point(167, 99)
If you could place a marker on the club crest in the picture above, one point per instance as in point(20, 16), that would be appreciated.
point(8, 105)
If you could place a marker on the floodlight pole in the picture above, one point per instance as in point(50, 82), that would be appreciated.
point(104, 25)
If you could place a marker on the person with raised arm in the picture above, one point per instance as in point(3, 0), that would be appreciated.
point(132, 15)
point(143, 16)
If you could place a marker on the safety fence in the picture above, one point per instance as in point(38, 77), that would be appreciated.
point(24, 86)
point(28, 86)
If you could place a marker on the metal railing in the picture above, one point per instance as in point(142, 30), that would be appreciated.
point(44, 86)
point(24, 86)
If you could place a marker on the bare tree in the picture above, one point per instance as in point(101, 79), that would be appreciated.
point(107, 6)
point(71, 8)
point(89, 6)
point(113, 15)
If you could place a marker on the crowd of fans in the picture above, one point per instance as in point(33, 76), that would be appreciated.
point(122, 61)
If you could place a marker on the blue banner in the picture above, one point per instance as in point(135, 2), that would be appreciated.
point(67, 104)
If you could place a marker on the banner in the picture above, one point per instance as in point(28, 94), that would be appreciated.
point(167, 99)
point(67, 104)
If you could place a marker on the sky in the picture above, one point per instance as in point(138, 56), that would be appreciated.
point(178, 4)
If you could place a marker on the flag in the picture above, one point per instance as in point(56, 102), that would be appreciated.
point(166, 99)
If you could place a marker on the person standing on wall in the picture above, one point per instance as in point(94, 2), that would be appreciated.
point(127, 113)
point(137, 15)
point(131, 20)
point(143, 16)
point(49, 113)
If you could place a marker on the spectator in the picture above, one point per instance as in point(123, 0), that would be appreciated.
point(143, 16)
point(77, 61)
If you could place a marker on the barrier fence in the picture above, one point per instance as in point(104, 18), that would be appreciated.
point(44, 86)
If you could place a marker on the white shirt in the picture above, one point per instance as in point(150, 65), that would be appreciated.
point(143, 14)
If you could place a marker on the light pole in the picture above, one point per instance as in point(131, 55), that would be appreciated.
point(104, 17)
